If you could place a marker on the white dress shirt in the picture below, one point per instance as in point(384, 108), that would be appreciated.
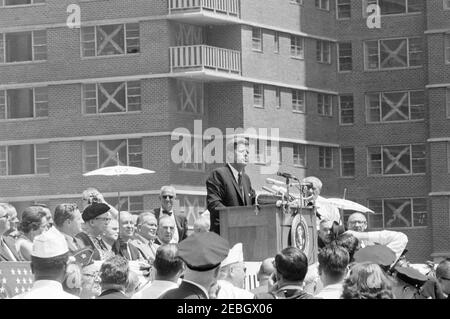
point(46, 289)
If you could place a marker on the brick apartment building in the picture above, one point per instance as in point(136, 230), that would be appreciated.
point(366, 110)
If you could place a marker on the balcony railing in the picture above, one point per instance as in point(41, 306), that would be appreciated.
point(228, 7)
point(194, 57)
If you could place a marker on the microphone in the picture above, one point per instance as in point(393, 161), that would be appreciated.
point(287, 175)
point(267, 189)
point(274, 182)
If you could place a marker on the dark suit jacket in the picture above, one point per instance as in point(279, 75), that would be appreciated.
point(120, 248)
point(9, 241)
point(223, 191)
point(180, 220)
point(112, 294)
point(87, 242)
point(186, 290)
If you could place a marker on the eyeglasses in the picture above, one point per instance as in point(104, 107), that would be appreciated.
point(445, 278)
point(354, 222)
point(104, 219)
point(6, 216)
point(167, 196)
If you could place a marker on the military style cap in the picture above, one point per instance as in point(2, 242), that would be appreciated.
point(49, 244)
point(94, 210)
point(411, 276)
point(203, 251)
point(379, 254)
point(235, 255)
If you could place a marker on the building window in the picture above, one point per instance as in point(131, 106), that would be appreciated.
point(447, 47)
point(23, 46)
point(113, 97)
point(323, 4)
point(447, 101)
point(323, 51)
point(299, 155)
point(297, 46)
point(346, 111)
point(345, 62)
point(298, 101)
point(277, 98)
point(258, 95)
point(104, 153)
point(343, 9)
point(325, 104)
point(276, 42)
point(30, 159)
point(347, 162)
point(297, 2)
point(325, 157)
point(114, 39)
point(8, 3)
point(389, 7)
point(393, 53)
point(397, 160)
point(446, 4)
point(398, 213)
point(193, 159)
point(131, 204)
point(23, 103)
point(257, 42)
point(383, 107)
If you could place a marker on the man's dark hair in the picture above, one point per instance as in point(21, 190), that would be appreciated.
point(167, 263)
point(31, 219)
point(333, 261)
point(114, 272)
point(443, 269)
point(350, 243)
point(49, 268)
point(64, 212)
point(292, 264)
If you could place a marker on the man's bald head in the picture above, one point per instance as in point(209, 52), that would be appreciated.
point(357, 222)
point(266, 269)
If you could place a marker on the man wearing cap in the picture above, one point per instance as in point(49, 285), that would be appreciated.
point(230, 185)
point(96, 218)
point(49, 258)
point(167, 197)
point(202, 254)
point(68, 220)
point(232, 275)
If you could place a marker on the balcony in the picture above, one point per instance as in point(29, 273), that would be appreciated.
point(205, 12)
point(205, 62)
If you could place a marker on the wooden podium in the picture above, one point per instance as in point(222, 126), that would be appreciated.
point(265, 231)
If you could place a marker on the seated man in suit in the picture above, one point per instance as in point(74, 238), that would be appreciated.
point(145, 236)
point(167, 196)
point(229, 185)
point(123, 246)
point(67, 219)
point(114, 274)
point(7, 246)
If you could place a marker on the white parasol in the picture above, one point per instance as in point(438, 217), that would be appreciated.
point(345, 204)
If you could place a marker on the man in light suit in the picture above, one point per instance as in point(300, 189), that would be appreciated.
point(167, 197)
point(229, 185)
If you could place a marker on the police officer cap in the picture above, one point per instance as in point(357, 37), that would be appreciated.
point(94, 210)
point(203, 251)
point(378, 254)
point(411, 276)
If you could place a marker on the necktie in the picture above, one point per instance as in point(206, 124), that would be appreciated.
point(241, 188)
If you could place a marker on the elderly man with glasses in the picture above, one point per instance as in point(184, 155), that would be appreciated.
point(167, 198)
point(96, 218)
point(7, 247)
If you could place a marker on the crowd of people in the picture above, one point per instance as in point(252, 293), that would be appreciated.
point(149, 256)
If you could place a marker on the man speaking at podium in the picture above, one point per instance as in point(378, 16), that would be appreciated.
point(229, 185)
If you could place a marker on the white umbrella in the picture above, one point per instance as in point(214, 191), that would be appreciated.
point(118, 170)
point(346, 204)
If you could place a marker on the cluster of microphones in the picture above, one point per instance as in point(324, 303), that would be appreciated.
point(289, 191)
